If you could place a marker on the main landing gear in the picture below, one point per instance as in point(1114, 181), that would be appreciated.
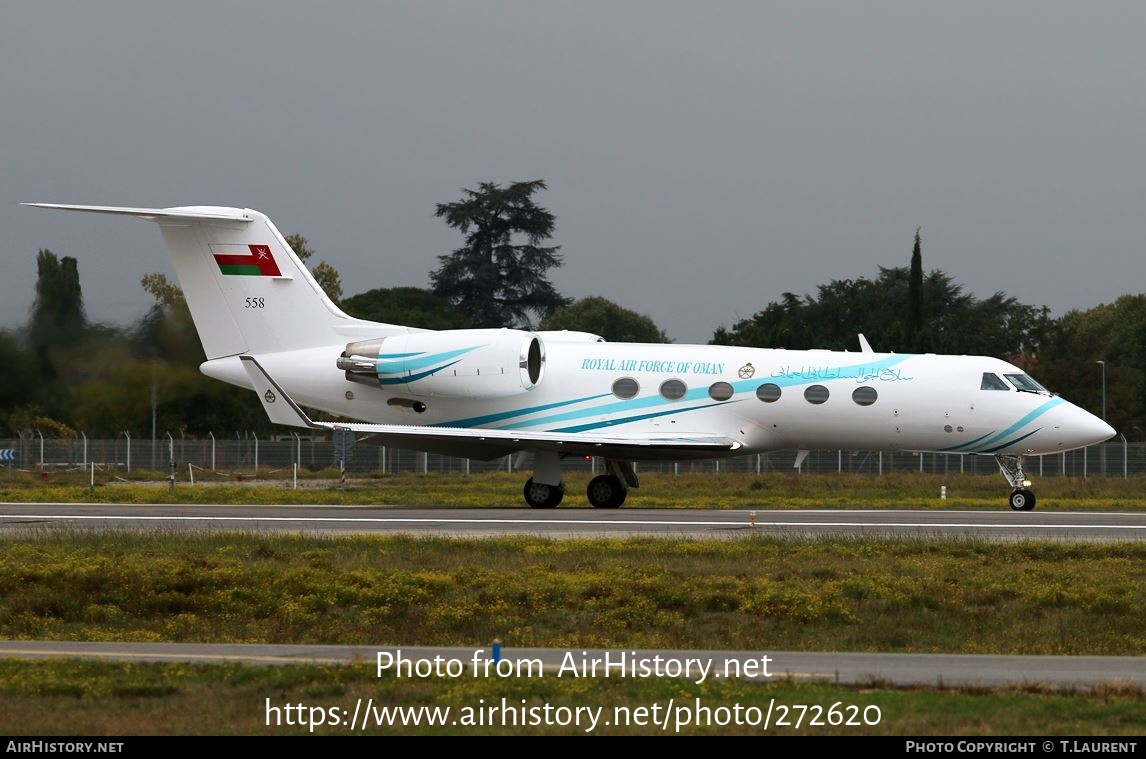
point(542, 496)
point(606, 491)
point(1021, 499)
point(545, 489)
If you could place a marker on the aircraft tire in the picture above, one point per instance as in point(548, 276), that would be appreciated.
point(605, 492)
point(542, 496)
point(1022, 500)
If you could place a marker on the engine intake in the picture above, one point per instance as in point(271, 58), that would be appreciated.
point(457, 363)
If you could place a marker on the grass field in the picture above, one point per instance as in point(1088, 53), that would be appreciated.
point(787, 490)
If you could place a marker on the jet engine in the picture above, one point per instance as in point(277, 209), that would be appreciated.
point(457, 363)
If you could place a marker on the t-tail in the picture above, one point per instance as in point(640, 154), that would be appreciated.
point(247, 290)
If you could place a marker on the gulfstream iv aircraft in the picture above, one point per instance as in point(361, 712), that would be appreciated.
point(266, 325)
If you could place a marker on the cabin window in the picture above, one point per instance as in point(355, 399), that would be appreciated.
point(720, 391)
point(1024, 382)
point(864, 396)
point(673, 389)
point(768, 392)
point(992, 382)
point(625, 388)
point(816, 394)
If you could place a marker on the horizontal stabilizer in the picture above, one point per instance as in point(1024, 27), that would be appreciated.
point(191, 213)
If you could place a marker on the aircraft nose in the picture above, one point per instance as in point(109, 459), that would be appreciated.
point(1082, 428)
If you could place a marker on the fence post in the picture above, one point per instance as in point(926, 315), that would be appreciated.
point(212, 436)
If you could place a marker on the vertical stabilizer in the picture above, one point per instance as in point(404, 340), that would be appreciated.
point(246, 289)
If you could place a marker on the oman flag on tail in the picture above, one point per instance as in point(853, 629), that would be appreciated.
point(248, 260)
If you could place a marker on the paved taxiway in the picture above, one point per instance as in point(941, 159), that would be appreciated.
point(850, 668)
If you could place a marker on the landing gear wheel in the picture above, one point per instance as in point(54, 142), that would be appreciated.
point(1022, 500)
point(605, 492)
point(542, 496)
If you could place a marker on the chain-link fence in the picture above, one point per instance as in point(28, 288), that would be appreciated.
point(246, 453)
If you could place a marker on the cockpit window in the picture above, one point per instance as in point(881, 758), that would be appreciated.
point(1024, 382)
point(992, 382)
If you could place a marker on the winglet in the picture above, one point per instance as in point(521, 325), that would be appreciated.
point(278, 405)
point(865, 346)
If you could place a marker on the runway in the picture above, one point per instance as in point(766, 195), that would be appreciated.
point(998, 524)
point(851, 668)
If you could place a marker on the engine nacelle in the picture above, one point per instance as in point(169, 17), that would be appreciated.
point(456, 363)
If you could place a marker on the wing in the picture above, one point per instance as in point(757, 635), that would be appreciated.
point(483, 444)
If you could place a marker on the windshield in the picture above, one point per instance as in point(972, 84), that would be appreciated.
point(1025, 382)
point(992, 382)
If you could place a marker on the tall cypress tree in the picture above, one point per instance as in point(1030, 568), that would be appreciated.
point(915, 298)
point(58, 311)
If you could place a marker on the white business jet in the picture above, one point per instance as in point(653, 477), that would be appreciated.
point(266, 325)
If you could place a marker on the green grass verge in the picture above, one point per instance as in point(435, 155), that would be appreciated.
point(500, 489)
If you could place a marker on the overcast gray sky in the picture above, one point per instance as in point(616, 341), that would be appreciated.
point(702, 158)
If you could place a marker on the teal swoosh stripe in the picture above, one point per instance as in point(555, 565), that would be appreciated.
point(968, 444)
point(987, 443)
point(1012, 442)
point(479, 421)
point(394, 367)
point(619, 407)
point(1014, 428)
point(413, 377)
point(627, 420)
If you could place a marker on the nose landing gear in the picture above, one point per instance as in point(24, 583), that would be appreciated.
point(1021, 499)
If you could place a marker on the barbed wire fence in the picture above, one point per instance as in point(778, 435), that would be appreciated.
point(244, 454)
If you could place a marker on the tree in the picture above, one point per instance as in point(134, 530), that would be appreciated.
point(915, 298)
point(165, 292)
point(605, 318)
point(19, 384)
point(58, 310)
point(953, 321)
point(493, 280)
point(324, 274)
point(329, 280)
point(407, 306)
point(1114, 333)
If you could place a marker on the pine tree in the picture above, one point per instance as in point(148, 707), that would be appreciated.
point(498, 278)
